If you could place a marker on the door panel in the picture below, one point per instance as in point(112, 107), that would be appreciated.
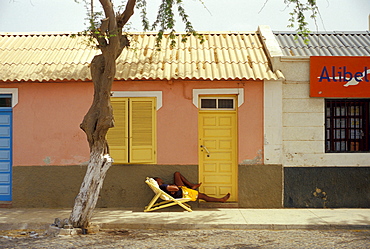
point(218, 153)
point(5, 154)
point(142, 130)
point(118, 136)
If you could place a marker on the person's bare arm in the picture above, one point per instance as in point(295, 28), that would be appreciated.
point(172, 188)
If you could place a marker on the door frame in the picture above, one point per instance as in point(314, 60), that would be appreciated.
point(14, 101)
point(236, 145)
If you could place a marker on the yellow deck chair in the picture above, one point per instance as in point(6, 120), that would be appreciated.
point(167, 199)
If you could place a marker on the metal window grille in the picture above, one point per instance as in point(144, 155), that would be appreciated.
point(347, 126)
point(217, 103)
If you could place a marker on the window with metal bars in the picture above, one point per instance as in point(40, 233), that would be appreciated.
point(217, 103)
point(346, 125)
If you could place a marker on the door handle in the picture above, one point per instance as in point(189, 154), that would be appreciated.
point(205, 148)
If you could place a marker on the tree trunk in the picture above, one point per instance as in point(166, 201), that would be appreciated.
point(89, 192)
point(99, 118)
point(96, 124)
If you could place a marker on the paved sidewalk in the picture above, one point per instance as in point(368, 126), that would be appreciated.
point(217, 218)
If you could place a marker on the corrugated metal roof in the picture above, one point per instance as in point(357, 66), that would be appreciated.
point(45, 57)
point(325, 44)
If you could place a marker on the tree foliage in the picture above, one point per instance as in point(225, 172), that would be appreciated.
point(164, 22)
point(168, 10)
point(298, 15)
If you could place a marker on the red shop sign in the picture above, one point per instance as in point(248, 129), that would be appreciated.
point(340, 76)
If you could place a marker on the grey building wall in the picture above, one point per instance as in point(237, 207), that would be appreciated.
point(327, 187)
point(260, 186)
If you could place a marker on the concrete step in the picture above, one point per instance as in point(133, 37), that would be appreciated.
point(203, 204)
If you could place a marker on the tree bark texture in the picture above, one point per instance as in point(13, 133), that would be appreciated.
point(99, 118)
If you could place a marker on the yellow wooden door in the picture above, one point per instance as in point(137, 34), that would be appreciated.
point(218, 167)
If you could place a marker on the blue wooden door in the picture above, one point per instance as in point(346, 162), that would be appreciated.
point(5, 153)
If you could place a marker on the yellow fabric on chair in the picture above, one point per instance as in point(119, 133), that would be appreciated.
point(167, 199)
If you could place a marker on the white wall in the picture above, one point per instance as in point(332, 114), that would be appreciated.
point(303, 122)
point(273, 105)
point(294, 123)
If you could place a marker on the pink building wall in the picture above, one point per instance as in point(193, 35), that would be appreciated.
point(47, 117)
point(46, 123)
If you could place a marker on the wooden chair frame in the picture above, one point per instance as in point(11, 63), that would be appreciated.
point(168, 200)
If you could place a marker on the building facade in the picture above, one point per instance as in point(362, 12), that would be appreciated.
point(197, 109)
point(318, 129)
point(274, 121)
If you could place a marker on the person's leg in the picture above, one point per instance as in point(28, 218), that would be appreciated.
point(213, 199)
point(180, 180)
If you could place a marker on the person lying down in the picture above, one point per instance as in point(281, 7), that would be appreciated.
point(182, 188)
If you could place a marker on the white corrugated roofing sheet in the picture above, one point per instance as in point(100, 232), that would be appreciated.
point(54, 57)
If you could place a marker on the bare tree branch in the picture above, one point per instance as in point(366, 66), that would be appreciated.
point(123, 18)
point(104, 25)
point(109, 13)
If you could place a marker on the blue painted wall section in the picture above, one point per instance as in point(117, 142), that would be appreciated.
point(5, 154)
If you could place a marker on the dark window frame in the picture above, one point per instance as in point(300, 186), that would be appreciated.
point(5, 100)
point(347, 125)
